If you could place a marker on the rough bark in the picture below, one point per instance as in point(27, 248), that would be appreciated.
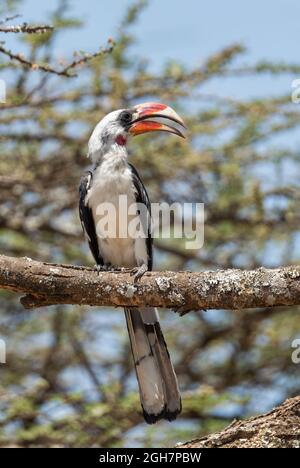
point(280, 428)
point(47, 284)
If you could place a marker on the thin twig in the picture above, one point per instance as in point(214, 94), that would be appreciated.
point(9, 18)
point(48, 69)
point(26, 28)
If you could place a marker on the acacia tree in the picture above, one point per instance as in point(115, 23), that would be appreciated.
point(68, 380)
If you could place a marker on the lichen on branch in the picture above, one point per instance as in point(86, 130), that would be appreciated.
point(47, 284)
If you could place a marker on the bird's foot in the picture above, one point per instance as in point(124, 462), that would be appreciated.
point(138, 272)
point(182, 310)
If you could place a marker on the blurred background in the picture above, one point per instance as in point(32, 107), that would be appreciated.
point(228, 70)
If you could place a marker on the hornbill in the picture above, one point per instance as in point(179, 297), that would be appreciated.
point(111, 177)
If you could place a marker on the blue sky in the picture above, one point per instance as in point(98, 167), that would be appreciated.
point(186, 30)
point(189, 31)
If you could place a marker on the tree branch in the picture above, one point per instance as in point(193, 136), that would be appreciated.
point(27, 28)
point(47, 284)
point(277, 429)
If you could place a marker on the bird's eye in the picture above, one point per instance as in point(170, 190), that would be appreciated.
point(126, 117)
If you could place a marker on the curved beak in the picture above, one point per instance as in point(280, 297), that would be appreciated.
point(145, 115)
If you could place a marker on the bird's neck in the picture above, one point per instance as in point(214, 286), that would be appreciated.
point(115, 157)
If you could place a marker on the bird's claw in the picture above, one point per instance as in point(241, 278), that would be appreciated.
point(182, 310)
point(106, 267)
point(138, 272)
point(98, 268)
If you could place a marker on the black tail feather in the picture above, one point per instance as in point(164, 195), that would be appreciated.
point(159, 393)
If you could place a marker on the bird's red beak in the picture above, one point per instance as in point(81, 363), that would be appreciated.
point(143, 119)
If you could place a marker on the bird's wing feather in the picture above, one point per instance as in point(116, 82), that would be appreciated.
point(86, 217)
point(142, 197)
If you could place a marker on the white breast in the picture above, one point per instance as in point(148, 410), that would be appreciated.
point(113, 179)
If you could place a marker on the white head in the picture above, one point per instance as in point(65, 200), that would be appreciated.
point(111, 133)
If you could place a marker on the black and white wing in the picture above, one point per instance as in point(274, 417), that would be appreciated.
point(159, 392)
point(142, 197)
point(86, 217)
